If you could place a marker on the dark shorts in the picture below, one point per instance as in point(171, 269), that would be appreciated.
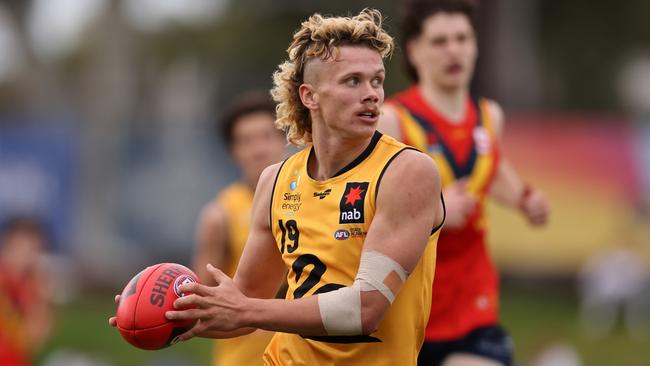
point(490, 342)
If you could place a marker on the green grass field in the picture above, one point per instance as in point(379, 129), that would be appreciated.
point(534, 316)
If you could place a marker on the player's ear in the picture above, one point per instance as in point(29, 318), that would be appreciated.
point(308, 96)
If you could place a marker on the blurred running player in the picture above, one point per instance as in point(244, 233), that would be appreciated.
point(254, 143)
point(25, 307)
point(462, 134)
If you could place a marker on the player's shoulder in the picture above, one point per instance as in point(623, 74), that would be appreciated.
point(412, 159)
point(270, 173)
point(411, 166)
point(496, 114)
point(213, 214)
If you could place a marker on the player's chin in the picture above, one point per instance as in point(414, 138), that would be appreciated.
point(452, 81)
point(365, 128)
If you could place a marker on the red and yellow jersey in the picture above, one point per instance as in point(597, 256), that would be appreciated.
point(320, 228)
point(15, 296)
point(237, 201)
point(465, 292)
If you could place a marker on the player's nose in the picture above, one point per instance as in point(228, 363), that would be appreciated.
point(371, 94)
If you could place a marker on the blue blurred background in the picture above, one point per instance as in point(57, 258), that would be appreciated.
point(107, 111)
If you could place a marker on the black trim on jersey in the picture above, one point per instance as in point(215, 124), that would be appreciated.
point(444, 209)
point(344, 339)
point(383, 170)
point(444, 215)
point(368, 150)
point(273, 194)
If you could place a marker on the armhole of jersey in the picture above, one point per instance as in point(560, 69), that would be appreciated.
point(277, 175)
point(444, 215)
point(444, 209)
point(383, 170)
point(486, 117)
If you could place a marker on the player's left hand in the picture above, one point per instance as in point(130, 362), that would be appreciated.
point(536, 208)
point(112, 321)
point(217, 308)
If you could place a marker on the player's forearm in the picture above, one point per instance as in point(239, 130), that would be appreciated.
point(301, 316)
point(507, 187)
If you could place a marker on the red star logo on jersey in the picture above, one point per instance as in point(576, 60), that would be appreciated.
point(353, 196)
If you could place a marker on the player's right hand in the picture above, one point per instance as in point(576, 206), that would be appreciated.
point(459, 204)
point(112, 321)
point(217, 308)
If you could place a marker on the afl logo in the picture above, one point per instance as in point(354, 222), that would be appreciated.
point(341, 234)
point(181, 280)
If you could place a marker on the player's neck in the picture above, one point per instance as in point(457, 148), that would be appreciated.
point(332, 153)
point(450, 103)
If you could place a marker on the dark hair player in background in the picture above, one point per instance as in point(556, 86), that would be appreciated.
point(462, 134)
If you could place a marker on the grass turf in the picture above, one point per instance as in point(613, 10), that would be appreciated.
point(535, 317)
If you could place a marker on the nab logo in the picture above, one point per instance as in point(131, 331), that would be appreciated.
point(341, 234)
point(351, 205)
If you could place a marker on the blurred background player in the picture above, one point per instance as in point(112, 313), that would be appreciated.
point(25, 307)
point(462, 134)
point(254, 142)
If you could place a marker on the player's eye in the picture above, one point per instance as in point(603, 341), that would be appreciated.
point(352, 81)
point(438, 41)
point(377, 82)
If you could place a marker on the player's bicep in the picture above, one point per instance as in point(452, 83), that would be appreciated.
point(408, 207)
point(211, 241)
point(261, 270)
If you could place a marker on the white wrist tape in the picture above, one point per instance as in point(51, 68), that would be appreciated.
point(340, 310)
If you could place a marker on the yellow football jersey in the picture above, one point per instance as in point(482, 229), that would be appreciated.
point(237, 201)
point(320, 228)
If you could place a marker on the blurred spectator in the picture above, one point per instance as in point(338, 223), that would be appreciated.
point(25, 291)
point(557, 354)
point(614, 282)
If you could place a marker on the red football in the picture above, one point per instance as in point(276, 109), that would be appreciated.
point(144, 301)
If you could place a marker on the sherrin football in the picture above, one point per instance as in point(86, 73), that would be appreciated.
point(144, 301)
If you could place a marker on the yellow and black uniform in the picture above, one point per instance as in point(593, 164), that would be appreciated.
point(237, 201)
point(320, 228)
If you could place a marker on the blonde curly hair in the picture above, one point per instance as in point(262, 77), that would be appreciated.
point(320, 37)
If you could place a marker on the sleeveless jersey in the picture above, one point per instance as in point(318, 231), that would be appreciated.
point(320, 228)
point(465, 291)
point(237, 201)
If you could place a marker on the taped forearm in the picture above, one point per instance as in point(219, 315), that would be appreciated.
point(340, 310)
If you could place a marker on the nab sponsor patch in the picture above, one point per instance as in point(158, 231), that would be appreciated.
point(351, 205)
point(341, 234)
